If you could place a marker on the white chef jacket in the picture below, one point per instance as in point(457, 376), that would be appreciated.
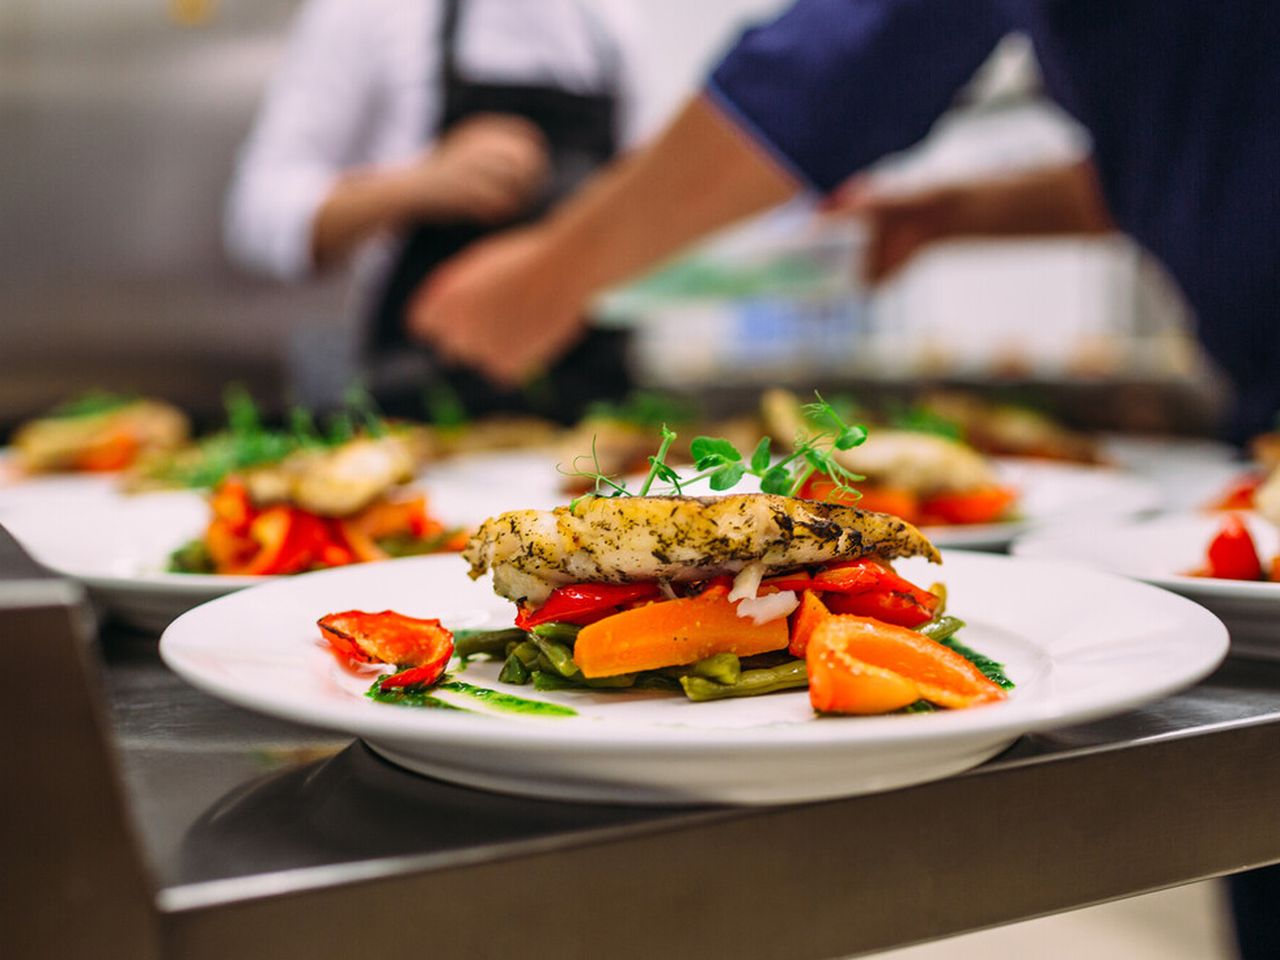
point(359, 86)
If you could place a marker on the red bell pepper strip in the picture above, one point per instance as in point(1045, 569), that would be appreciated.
point(290, 540)
point(230, 503)
point(1232, 554)
point(423, 676)
point(424, 646)
point(904, 609)
point(584, 603)
point(1239, 496)
point(983, 505)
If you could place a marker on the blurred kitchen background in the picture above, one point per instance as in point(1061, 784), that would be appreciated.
point(119, 126)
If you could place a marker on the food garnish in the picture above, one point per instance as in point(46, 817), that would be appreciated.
point(718, 461)
point(1233, 555)
point(98, 432)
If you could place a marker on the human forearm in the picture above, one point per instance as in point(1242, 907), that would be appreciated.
point(701, 174)
point(360, 205)
point(1055, 200)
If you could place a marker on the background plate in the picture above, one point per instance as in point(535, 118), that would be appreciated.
point(1161, 551)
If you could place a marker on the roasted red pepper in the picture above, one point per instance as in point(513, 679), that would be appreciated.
point(422, 646)
point(584, 603)
point(1232, 553)
point(902, 608)
point(1239, 496)
point(289, 541)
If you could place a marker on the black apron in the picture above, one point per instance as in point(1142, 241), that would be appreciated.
point(580, 131)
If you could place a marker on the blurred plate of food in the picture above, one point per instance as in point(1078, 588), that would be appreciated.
point(80, 449)
point(1224, 561)
point(332, 502)
point(920, 468)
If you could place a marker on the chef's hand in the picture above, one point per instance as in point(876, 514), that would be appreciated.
point(899, 226)
point(500, 307)
point(487, 169)
point(1064, 199)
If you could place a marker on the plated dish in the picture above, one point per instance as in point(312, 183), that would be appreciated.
point(1169, 552)
point(98, 433)
point(121, 547)
point(1072, 662)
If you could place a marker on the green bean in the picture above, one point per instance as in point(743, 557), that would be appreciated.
point(941, 628)
point(565, 633)
point(556, 657)
point(527, 652)
point(514, 671)
point(750, 683)
point(721, 667)
point(471, 643)
point(548, 680)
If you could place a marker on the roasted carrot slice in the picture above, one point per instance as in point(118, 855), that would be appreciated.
point(113, 451)
point(840, 683)
point(670, 633)
point(938, 673)
point(811, 613)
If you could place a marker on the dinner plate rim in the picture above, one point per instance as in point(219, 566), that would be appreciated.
point(1035, 544)
point(1012, 718)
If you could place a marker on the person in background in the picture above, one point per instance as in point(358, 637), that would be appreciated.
point(398, 132)
point(1179, 97)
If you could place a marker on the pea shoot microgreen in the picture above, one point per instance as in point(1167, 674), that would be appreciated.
point(723, 465)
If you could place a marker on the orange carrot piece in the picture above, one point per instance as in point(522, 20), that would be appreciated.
point(811, 613)
point(114, 451)
point(940, 674)
point(841, 683)
point(670, 633)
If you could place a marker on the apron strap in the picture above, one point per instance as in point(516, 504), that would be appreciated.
point(449, 19)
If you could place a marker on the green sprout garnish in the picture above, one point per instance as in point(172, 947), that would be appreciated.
point(723, 465)
point(91, 404)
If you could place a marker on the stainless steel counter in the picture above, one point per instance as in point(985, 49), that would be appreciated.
point(237, 813)
point(222, 834)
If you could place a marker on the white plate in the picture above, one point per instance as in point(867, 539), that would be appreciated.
point(21, 492)
point(1079, 644)
point(1049, 493)
point(119, 549)
point(481, 485)
point(1161, 551)
point(1189, 473)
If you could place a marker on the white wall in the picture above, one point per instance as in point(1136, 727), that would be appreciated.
point(689, 35)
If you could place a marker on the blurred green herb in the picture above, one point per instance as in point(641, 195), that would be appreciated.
point(644, 408)
point(444, 407)
point(918, 419)
point(247, 442)
point(91, 404)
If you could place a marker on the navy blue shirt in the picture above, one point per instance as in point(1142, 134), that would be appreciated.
point(1182, 98)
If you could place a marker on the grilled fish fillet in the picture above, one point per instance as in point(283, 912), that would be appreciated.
point(623, 539)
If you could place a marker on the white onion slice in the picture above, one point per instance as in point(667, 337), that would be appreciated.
point(766, 609)
point(747, 582)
